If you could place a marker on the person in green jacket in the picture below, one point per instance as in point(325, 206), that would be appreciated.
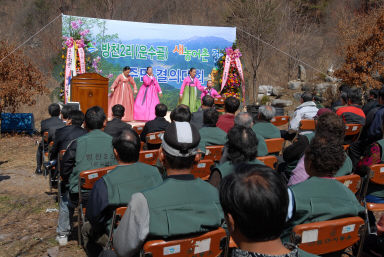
point(255, 202)
point(241, 147)
point(180, 206)
point(116, 188)
point(91, 151)
point(209, 133)
point(321, 197)
point(263, 125)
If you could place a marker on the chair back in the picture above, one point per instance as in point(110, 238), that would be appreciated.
point(280, 120)
point(210, 244)
point(274, 145)
point(353, 182)
point(202, 169)
point(149, 156)
point(214, 152)
point(45, 136)
point(378, 174)
point(88, 178)
point(138, 129)
point(154, 138)
point(328, 236)
point(219, 101)
point(269, 160)
point(306, 125)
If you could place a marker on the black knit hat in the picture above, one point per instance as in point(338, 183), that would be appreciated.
point(181, 139)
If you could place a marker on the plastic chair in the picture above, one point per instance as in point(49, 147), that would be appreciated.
point(280, 120)
point(86, 181)
point(269, 160)
point(219, 104)
point(353, 182)
point(274, 145)
point(328, 236)
point(210, 244)
point(377, 177)
point(154, 138)
point(353, 130)
point(138, 129)
point(117, 215)
point(214, 152)
point(202, 169)
point(149, 156)
point(307, 125)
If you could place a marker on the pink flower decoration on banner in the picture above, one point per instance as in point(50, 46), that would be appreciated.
point(79, 22)
point(74, 25)
point(69, 42)
point(80, 43)
point(233, 53)
point(84, 32)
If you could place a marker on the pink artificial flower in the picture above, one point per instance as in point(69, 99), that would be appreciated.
point(84, 32)
point(80, 43)
point(69, 42)
point(79, 22)
point(110, 75)
point(74, 25)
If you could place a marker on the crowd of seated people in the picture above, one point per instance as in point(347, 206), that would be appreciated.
point(259, 206)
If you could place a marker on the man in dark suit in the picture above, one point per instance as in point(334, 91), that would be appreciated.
point(158, 124)
point(197, 117)
point(115, 126)
point(65, 135)
point(50, 125)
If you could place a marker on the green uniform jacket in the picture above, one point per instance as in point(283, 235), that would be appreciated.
point(179, 207)
point(262, 149)
point(227, 167)
point(375, 189)
point(94, 150)
point(320, 199)
point(125, 180)
point(211, 136)
point(266, 130)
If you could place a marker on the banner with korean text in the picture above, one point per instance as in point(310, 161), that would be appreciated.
point(170, 49)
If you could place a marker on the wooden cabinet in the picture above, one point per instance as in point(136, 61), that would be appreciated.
point(90, 89)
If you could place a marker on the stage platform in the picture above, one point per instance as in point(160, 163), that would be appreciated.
point(136, 123)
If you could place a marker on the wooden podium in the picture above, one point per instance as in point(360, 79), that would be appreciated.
point(90, 89)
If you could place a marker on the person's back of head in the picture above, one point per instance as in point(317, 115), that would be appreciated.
point(95, 118)
point(76, 117)
point(54, 110)
point(255, 203)
point(231, 104)
point(242, 144)
point(344, 88)
point(179, 146)
point(118, 111)
point(306, 97)
point(65, 111)
point(323, 157)
point(354, 96)
point(127, 146)
point(161, 110)
point(208, 101)
point(244, 119)
point(181, 113)
point(374, 93)
point(266, 112)
point(344, 98)
point(330, 126)
point(210, 117)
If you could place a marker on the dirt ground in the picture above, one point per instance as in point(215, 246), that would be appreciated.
point(26, 229)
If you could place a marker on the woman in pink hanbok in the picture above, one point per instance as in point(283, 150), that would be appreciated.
point(147, 98)
point(121, 93)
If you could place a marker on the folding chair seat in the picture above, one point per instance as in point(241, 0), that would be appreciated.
point(280, 120)
point(353, 182)
point(202, 169)
point(154, 138)
point(210, 244)
point(377, 177)
point(138, 129)
point(269, 160)
point(274, 145)
point(214, 152)
point(328, 236)
point(149, 156)
point(86, 181)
